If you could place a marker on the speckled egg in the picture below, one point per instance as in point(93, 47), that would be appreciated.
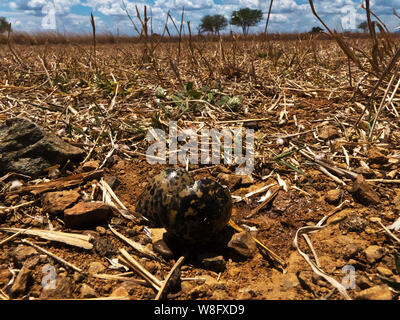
point(191, 210)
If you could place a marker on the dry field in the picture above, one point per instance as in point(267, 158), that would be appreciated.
point(324, 112)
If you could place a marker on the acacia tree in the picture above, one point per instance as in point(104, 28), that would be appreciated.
point(213, 23)
point(363, 26)
point(246, 18)
point(4, 25)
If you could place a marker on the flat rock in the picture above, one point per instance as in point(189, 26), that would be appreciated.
point(363, 192)
point(374, 253)
point(213, 263)
point(243, 244)
point(86, 214)
point(27, 149)
point(56, 202)
point(381, 292)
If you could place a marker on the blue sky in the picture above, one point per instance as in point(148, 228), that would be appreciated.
point(286, 16)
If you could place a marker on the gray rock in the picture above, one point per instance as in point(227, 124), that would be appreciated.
point(28, 149)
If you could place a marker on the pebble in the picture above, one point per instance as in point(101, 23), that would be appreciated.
point(381, 292)
point(21, 253)
point(243, 244)
point(87, 292)
point(363, 192)
point(353, 223)
point(214, 263)
point(374, 253)
point(333, 196)
point(120, 292)
point(20, 284)
point(328, 132)
point(96, 267)
point(384, 271)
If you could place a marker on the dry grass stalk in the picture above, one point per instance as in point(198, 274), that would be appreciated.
point(73, 239)
point(170, 276)
point(135, 245)
point(129, 260)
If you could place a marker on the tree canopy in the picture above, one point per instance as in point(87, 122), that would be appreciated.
point(246, 18)
point(213, 23)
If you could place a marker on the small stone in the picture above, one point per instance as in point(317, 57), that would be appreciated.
point(381, 292)
point(376, 157)
point(24, 276)
point(230, 180)
point(87, 291)
point(384, 271)
point(101, 230)
point(103, 246)
point(56, 202)
point(120, 292)
point(328, 132)
point(351, 250)
point(63, 289)
point(90, 165)
point(96, 267)
point(85, 214)
point(353, 223)
point(374, 253)
point(214, 263)
point(333, 196)
point(21, 253)
point(243, 244)
point(363, 192)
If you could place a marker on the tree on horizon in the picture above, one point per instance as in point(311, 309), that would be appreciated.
point(246, 18)
point(213, 23)
point(4, 24)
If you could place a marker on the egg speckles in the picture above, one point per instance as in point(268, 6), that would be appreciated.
point(188, 209)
